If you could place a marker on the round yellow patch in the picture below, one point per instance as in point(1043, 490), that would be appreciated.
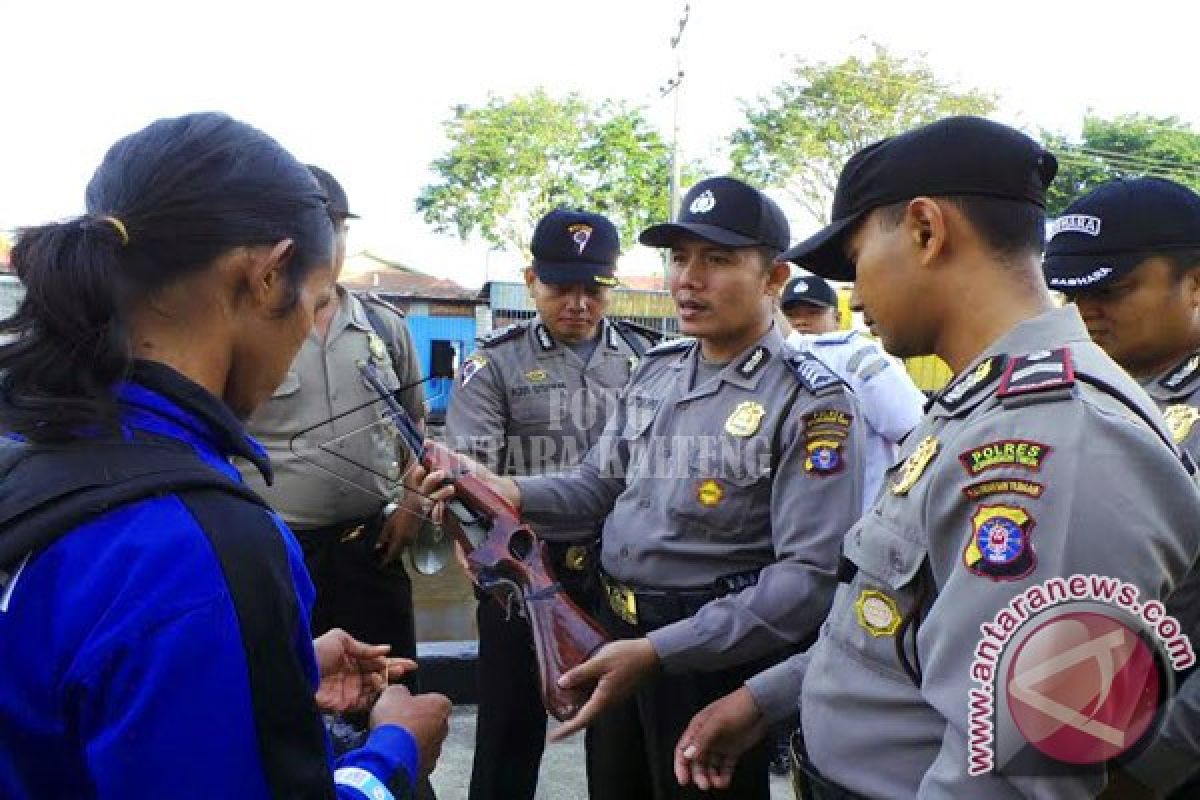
point(710, 493)
point(877, 613)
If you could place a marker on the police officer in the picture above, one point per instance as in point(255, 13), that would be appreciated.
point(728, 475)
point(336, 474)
point(1040, 460)
point(533, 398)
point(1128, 255)
point(891, 403)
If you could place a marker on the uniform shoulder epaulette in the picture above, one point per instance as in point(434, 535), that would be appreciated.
point(501, 335)
point(835, 337)
point(1182, 376)
point(380, 300)
point(970, 385)
point(671, 346)
point(812, 373)
point(649, 334)
point(1037, 377)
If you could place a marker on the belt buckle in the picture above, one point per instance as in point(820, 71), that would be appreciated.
point(622, 601)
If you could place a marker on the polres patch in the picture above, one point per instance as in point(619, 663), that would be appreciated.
point(1001, 546)
point(1020, 453)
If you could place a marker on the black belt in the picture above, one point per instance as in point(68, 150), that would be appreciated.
point(808, 783)
point(657, 607)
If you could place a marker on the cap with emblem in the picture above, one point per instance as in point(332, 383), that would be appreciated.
point(726, 212)
point(808, 289)
point(335, 195)
point(1106, 233)
point(953, 156)
point(571, 246)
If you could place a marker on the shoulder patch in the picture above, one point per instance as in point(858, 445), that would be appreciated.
point(812, 373)
point(1041, 376)
point(1183, 375)
point(972, 383)
point(649, 334)
point(501, 335)
point(379, 300)
point(671, 346)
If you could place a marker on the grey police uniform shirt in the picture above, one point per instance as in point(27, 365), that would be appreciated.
point(1074, 483)
point(697, 492)
point(345, 469)
point(1175, 755)
point(525, 404)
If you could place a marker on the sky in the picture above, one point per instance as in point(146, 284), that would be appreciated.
point(362, 87)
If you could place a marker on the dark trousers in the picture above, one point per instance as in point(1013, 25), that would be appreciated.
point(510, 731)
point(631, 747)
point(371, 602)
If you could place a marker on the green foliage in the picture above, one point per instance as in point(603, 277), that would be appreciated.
point(513, 159)
point(1130, 145)
point(800, 135)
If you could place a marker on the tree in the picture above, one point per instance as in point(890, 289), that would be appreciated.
point(512, 160)
point(1130, 145)
point(800, 135)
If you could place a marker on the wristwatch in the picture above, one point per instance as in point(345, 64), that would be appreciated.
point(389, 509)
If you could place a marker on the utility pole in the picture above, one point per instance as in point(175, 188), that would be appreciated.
point(674, 87)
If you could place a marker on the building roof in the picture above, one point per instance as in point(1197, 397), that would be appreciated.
point(370, 272)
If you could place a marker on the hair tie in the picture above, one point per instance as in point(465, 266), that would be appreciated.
point(119, 227)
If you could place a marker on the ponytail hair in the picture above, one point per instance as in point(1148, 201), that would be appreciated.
point(165, 203)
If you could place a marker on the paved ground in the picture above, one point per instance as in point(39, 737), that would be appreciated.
point(562, 767)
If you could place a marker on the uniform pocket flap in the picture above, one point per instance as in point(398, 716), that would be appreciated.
point(883, 550)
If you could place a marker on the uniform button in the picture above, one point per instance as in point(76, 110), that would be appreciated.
point(624, 552)
point(897, 562)
point(644, 502)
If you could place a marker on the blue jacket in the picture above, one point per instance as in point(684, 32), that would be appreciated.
point(163, 648)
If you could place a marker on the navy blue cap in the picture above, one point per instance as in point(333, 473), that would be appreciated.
point(809, 289)
point(726, 212)
point(571, 246)
point(1106, 233)
point(335, 195)
point(953, 156)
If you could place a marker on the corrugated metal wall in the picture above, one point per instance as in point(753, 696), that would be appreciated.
point(510, 302)
point(460, 332)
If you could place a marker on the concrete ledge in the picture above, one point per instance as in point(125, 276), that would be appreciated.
point(450, 668)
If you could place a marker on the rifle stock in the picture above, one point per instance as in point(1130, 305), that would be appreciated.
point(505, 556)
point(564, 636)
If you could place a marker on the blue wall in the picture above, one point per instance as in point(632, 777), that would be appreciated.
point(459, 331)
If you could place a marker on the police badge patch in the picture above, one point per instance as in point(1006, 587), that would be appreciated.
point(745, 419)
point(914, 465)
point(1180, 421)
point(1000, 547)
point(470, 367)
